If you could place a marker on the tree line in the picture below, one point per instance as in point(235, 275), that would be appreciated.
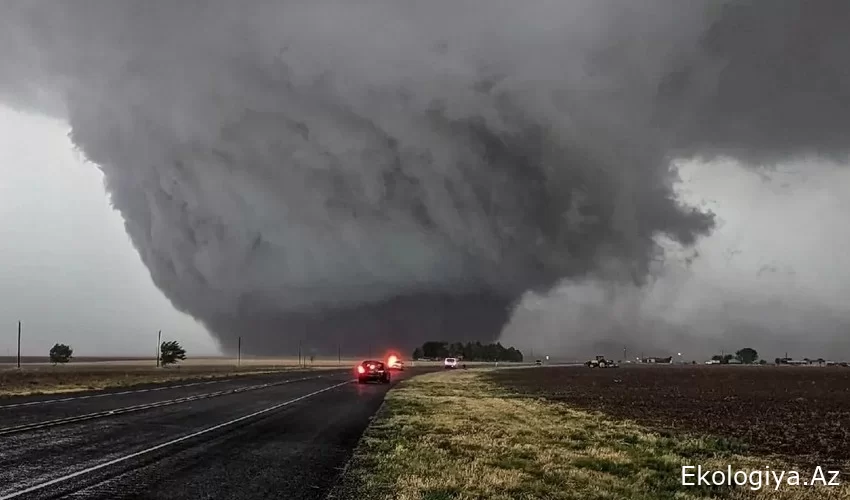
point(746, 356)
point(471, 351)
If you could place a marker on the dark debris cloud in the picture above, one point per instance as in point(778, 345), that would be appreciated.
point(387, 171)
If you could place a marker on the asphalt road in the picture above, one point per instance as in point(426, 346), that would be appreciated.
point(273, 436)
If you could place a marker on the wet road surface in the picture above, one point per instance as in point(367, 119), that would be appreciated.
point(285, 435)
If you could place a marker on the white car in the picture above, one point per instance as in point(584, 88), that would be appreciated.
point(450, 363)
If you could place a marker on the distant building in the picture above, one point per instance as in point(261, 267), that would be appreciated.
point(656, 360)
point(791, 361)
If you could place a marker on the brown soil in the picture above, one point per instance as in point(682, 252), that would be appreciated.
point(799, 412)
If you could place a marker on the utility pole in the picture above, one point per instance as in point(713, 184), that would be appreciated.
point(338, 355)
point(624, 354)
point(239, 352)
point(299, 354)
point(158, 346)
point(19, 345)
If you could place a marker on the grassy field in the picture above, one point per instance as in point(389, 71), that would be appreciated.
point(204, 362)
point(478, 434)
point(94, 374)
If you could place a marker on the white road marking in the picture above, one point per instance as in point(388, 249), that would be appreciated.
point(166, 444)
point(146, 406)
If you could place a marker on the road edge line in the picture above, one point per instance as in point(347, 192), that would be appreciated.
point(166, 444)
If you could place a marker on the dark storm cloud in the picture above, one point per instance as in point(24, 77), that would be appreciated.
point(399, 169)
point(771, 82)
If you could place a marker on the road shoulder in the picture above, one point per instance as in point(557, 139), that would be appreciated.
point(58, 382)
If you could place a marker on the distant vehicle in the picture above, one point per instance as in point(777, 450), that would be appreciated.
point(395, 363)
point(601, 362)
point(373, 371)
point(450, 363)
point(538, 362)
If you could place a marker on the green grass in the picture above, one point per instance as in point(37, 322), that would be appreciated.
point(459, 436)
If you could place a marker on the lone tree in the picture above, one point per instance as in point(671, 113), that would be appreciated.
point(61, 353)
point(171, 352)
point(747, 355)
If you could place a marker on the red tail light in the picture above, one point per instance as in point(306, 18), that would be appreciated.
point(360, 369)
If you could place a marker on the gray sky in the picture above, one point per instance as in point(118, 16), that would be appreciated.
point(775, 274)
point(68, 269)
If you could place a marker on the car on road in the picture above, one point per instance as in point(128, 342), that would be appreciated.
point(395, 363)
point(539, 362)
point(450, 363)
point(373, 371)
